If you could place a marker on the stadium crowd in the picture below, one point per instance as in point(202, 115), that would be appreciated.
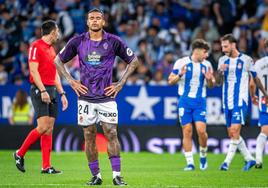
point(158, 31)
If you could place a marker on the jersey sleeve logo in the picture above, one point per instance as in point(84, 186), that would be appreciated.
point(129, 52)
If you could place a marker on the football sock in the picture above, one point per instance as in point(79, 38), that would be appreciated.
point(244, 150)
point(94, 168)
point(46, 147)
point(231, 151)
point(116, 165)
point(203, 151)
point(189, 157)
point(261, 139)
point(30, 139)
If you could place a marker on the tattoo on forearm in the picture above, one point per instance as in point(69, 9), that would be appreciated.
point(61, 69)
point(129, 70)
point(219, 77)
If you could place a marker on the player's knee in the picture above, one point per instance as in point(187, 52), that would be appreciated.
point(111, 134)
point(202, 132)
point(187, 133)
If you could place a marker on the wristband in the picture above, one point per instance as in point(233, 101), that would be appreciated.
point(63, 93)
point(43, 91)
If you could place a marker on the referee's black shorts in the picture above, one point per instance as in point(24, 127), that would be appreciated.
point(41, 108)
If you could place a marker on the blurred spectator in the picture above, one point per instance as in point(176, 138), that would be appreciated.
point(65, 24)
point(158, 79)
point(21, 112)
point(205, 31)
point(3, 75)
point(11, 26)
point(131, 36)
point(77, 13)
point(215, 54)
point(226, 14)
point(122, 10)
point(166, 65)
point(160, 16)
point(151, 28)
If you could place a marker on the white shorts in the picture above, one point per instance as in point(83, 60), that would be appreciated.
point(91, 113)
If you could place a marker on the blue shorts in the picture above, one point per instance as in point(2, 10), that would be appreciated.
point(236, 116)
point(263, 119)
point(191, 110)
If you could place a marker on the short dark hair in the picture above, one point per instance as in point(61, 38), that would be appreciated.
point(48, 26)
point(96, 10)
point(229, 37)
point(200, 44)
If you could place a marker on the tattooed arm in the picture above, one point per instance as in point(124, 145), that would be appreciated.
point(219, 77)
point(75, 84)
point(115, 88)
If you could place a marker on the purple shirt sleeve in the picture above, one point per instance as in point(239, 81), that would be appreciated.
point(70, 50)
point(122, 51)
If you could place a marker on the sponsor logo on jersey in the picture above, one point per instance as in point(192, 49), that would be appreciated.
point(93, 59)
point(129, 52)
point(108, 114)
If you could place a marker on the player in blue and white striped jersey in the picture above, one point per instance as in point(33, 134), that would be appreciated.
point(234, 70)
point(192, 73)
point(261, 67)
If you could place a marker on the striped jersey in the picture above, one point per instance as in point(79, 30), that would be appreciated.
point(193, 83)
point(261, 67)
point(236, 80)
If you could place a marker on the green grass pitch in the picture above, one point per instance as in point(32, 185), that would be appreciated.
point(138, 170)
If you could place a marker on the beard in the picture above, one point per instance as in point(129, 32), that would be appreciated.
point(95, 30)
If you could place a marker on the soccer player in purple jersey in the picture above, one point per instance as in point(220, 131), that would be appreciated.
point(97, 51)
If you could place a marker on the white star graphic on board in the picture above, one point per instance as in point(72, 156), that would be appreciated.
point(143, 105)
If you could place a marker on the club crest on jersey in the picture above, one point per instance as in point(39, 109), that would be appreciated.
point(94, 58)
point(81, 119)
point(263, 101)
point(239, 65)
point(189, 68)
point(203, 70)
point(105, 46)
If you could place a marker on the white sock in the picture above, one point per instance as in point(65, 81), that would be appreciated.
point(115, 174)
point(261, 139)
point(231, 151)
point(99, 175)
point(203, 151)
point(189, 157)
point(244, 150)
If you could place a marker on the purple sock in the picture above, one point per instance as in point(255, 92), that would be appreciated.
point(116, 163)
point(94, 167)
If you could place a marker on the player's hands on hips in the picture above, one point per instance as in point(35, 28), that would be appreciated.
point(113, 90)
point(78, 87)
point(254, 100)
point(45, 97)
point(64, 102)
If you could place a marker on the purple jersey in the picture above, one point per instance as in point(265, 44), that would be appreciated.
point(96, 59)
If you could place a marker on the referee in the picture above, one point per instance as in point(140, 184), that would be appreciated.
point(45, 85)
